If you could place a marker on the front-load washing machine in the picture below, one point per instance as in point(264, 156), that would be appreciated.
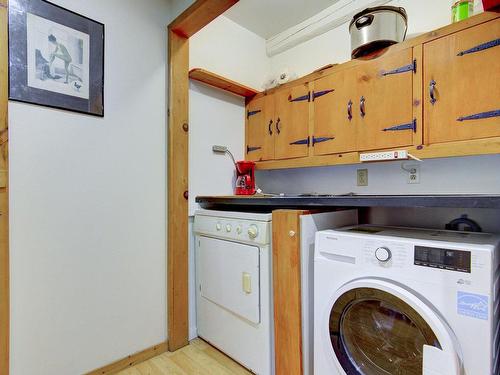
point(406, 301)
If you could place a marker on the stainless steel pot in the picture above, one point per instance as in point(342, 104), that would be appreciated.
point(375, 28)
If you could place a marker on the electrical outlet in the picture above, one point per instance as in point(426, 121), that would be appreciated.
point(362, 177)
point(413, 174)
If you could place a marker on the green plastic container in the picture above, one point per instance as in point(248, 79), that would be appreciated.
point(462, 10)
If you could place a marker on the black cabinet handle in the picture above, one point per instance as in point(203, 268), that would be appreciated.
point(432, 90)
point(362, 109)
point(349, 110)
point(278, 130)
point(270, 128)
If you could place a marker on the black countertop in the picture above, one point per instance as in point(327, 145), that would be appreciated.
point(351, 200)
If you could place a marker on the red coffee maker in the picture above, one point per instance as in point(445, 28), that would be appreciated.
point(245, 178)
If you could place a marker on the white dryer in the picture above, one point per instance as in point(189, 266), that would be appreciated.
point(234, 286)
point(406, 301)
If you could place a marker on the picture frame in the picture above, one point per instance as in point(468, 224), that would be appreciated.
point(56, 57)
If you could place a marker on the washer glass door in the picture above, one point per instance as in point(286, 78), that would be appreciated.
point(375, 333)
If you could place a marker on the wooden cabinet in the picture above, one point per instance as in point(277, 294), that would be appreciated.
point(291, 116)
point(260, 129)
point(462, 85)
point(426, 96)
point(335, 128)
point(384, 109)
point(367, 107)
point(277, 125)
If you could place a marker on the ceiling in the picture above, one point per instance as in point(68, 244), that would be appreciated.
point(270, 17)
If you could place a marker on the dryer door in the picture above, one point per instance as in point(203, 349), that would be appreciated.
point(379, 328)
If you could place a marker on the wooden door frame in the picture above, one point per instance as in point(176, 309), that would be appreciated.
point(4, 193)
point(192, 20)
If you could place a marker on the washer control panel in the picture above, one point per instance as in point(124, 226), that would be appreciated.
point(387, 254)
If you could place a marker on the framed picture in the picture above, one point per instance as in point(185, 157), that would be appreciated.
point(56, 57)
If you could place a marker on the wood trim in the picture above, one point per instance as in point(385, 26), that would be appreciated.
point(418, 107)
point(4, 193)
point(198, 15)
point(215, 80)
point(131, 360)
point(287, 292)
point(474, 147)
point(421, 39)
point(178, 141)
point(193, 19)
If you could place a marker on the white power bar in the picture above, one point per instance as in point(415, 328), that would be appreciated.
point(385, 155)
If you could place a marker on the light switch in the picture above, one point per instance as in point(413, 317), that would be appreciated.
point(247, 282)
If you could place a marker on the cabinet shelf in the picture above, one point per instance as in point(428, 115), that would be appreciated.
point(215, 80)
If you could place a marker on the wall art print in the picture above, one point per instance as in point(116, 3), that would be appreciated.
point(56, 57)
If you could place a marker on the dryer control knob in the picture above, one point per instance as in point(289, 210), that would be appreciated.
point(229, 228)
point(218, 226)
point(253, 231)
point(383, 254)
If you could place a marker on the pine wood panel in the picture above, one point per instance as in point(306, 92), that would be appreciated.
point(260, 129)
point(177, 262)
point(198, 15)
point(215, 80)
point(4, 195)
point(409, 43)
point(388, 102)
point(465, 85)
point(471, 147)
point(291, 122)
point(131, 360)
point(196, 358)
point(331, 113)
point(287, 292)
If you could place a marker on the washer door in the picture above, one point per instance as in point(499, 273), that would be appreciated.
point(379, 328)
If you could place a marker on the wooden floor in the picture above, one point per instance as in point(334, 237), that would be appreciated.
point(198, 358)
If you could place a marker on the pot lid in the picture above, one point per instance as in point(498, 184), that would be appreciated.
point(387, 8)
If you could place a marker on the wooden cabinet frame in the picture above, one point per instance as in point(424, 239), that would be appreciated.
point(4, 193)
point(421, 147)
point(192, 20)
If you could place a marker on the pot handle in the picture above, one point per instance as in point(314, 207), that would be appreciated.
point(364, 21)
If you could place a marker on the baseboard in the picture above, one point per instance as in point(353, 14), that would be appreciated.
point(131, 360)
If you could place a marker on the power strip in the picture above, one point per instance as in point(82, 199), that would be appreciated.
point(385, 155)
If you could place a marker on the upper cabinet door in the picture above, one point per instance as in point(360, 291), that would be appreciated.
point(292, 122)
point(333, 97)
point(384, 105)
point(260, 129)
point(462, 85)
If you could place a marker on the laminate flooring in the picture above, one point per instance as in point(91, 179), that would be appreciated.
point(198, 358)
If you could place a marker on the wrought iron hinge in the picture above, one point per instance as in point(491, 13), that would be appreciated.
point(479, 116)
point(317, 94)
point(300, 98)
point(407, 68)
point(480, 47)
point(250, 149)
point(320, 139)
point(251, 113)
point(409, 126)
point(301, 142)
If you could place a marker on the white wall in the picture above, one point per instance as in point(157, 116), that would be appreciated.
point(215, 119)
point(88, 208)
point(215, 116)
point(230, 50)
point(464, 175)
